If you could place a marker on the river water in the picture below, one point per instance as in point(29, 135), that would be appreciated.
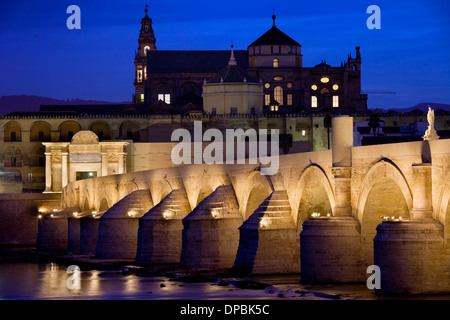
point(42, 281)
point(49, 281)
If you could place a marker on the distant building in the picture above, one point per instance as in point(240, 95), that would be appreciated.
point(263, 87)
point(274, 59)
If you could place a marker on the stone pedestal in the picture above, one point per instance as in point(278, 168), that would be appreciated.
point(411, 257)
point(330, 251)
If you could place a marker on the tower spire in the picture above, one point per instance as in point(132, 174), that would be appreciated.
point(273, 18)
point(232, 61)
point(146, 10)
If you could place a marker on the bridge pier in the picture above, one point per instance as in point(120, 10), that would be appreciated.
point(411, 253)
point(211, 234)
point(89, 231)
point(412, 258)
point(118, 227)
point(331, 251)
point(330, 247)
point(160, 230)
point(268, 239)
point(53, 230)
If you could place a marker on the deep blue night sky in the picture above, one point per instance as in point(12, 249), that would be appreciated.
point(40, 56)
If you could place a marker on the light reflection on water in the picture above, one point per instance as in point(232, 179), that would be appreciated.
point(49, 281)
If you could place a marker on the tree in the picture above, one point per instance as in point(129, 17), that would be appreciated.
point(374, 122)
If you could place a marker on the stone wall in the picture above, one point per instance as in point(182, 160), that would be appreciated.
point(19, 216)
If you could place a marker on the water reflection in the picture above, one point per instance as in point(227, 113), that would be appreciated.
point(49, 281)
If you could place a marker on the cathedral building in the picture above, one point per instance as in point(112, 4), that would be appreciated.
point(263, 87)
point(178, 77)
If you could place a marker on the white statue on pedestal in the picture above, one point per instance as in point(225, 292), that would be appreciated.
point(430, 134)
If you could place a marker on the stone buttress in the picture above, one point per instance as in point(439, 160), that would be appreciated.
point(211, 234)
point(268, 239)
point(118, 227)
point(160, 230)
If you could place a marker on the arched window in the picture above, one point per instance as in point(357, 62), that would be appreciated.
point(278, 94)
point(40, 131)
point(67, 130)
point(146, 48)
point(139, 74)
point(276, 63)
point(13, 157)
point(314, 102)
point(12, 132)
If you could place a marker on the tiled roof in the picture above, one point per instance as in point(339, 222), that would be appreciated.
point(275, 36)
point(232, 73)
point(192, 61)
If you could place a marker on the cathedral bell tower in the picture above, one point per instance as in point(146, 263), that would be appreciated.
point(146, 42)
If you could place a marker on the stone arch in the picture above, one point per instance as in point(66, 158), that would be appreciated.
point(315, 194)
point(101, 129)
point(12, 131)
point(160, 191)
point(384, 168)
point(384, 192)
point(190, 87)
point(37, 156)
point(13, 156)
point(40, 131)
point(129, 130)
point(258, 188)
point(443, 210)
point(127, 188)
point(103, 205)
point(204, 191)
point(67, 130)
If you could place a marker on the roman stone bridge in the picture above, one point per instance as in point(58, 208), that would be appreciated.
point(327, 215)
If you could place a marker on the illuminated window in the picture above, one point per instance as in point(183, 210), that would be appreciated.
point(313, 102)
point(314, 87)
point(145, 72)
point(324, 79)
point(289, 99)
point(147, 48)
point(335, 87)
point(267, 85)
point(324, 90)
point(335, 101)
point(139, 74)
point(303, 132)
point(278, 94)
point(274, 107)
point(278, 78)
point(267, 99)
point(289, 85)
point(253, 63)
point(276, 63)
point(142, 97)
point(164, 97)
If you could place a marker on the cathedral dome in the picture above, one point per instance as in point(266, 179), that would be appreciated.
point(232, 73)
